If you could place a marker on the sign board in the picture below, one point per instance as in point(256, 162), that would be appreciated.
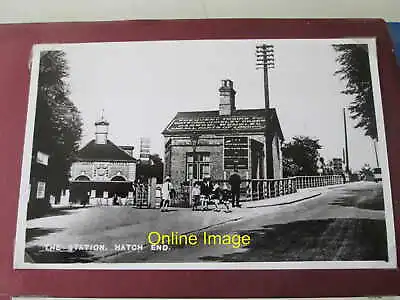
point(236, 152)
point(41, 189)
point(42, 158)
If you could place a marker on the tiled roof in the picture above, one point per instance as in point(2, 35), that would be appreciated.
point(245, 120)
point(103, 152)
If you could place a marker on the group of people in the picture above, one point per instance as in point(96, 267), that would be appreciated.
point(205, 193)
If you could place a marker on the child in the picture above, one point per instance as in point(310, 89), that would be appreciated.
point(204, 202)
point(216, 196)
point(196, 195)
point(225, 197)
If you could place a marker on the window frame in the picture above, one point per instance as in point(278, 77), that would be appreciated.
point(198, 163)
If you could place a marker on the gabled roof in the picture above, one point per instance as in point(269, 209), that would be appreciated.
point(103, 152)
point(243, 120)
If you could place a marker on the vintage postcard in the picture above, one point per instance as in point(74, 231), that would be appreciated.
point(205, 154)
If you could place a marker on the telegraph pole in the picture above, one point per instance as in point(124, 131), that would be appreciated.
point(345, 141)
point(265, 61)
point(194, 140)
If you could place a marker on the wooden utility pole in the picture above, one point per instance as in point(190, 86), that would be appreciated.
point(345, 141)
point(265, 61)
point(194, 140)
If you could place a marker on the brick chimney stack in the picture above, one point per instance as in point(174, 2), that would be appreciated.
point(226, 98)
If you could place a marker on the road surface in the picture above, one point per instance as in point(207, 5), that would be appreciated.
point(344, 223)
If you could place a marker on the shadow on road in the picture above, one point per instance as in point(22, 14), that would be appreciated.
point(317, 240)
point(57, 211)
point(40, 255)
point(34, 233)
point(365, 199)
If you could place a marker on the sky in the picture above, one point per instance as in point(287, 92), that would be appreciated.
point(142, 85)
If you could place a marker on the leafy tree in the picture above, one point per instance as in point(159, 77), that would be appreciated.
point(290, 168)
point(158, 167)
point(58, 125)
point(366, 171)
point(354, 68)
point(152, 168)
point(300, 156)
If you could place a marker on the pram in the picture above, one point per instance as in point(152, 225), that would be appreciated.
point(225, 196)
point(220, 197)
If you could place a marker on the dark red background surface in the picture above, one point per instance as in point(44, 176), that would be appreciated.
point(15, 45)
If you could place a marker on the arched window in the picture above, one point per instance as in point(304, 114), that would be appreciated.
point(82, 178)
point(118, 178)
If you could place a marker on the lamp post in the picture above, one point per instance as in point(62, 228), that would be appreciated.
point(194, 140)
point(265, 61)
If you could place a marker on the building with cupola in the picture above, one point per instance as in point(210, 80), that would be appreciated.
point(101, 168)
point(215, 142)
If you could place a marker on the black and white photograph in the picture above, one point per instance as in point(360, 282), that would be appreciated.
point(205, 154)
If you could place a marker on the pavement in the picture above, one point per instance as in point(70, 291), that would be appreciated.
point(300, 195)
point(111, 226)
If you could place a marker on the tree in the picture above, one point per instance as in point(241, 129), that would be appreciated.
point(354, 68)
point(366, 172)
point(152, 168)
point(58, 125)
point(158, 167)
point(300, 156)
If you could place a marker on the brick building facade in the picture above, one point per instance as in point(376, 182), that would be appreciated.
point(102, 168)
point(222, 140)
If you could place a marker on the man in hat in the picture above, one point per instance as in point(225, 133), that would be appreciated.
point(235, 181)
point(165, 194)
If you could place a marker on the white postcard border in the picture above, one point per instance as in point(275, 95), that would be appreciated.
point(19, 253)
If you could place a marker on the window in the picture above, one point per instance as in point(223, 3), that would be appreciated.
point(200, 167)
point(41, 189)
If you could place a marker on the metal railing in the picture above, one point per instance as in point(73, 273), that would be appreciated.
point(250, 190)
point(258, 189)
point(303, 182)
point(182, 198)
point(269, 188)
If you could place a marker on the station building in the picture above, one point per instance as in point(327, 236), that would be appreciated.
point(102, 169)
point(214, 143)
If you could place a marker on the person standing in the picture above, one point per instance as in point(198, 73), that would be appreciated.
point(115, 199)
point(196, 195)
point(235, 181)
point(205, 191)
point(166, 194)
